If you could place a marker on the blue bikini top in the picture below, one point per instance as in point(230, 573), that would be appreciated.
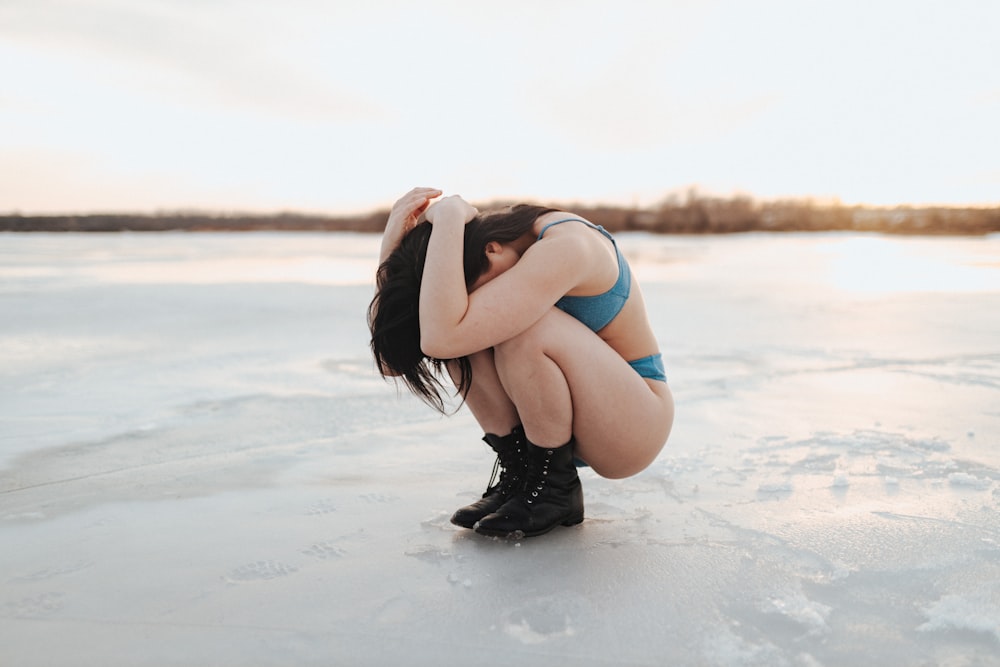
point(598, 310)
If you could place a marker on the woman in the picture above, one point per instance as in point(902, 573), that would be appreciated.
point(534, 314)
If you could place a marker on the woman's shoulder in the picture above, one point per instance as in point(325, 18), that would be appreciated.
point(556, 219)
point(560, 234)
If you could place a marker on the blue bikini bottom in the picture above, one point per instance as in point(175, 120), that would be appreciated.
point(650, 367)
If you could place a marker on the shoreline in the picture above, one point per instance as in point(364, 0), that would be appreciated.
point(694, 216)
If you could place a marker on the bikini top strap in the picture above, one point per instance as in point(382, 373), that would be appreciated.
point(589, 224)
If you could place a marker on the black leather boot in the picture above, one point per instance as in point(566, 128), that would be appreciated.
point(511, 452)
point(551, 496)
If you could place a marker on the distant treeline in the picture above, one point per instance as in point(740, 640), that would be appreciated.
point(694, 214)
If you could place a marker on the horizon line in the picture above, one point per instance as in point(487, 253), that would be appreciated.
point(667, 201)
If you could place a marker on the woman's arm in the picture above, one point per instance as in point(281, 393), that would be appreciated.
point(403, 217)
point(443, 295)
point(454, 323)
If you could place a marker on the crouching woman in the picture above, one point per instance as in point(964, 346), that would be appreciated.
point(535, 316)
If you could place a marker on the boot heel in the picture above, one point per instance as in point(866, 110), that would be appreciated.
point(573, 520)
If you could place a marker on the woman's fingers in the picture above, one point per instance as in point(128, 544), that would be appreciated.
point(419, 196)
point(408, 208)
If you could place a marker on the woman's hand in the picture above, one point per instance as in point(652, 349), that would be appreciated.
point(404, 216)
point(452, 208)
point(407, 209)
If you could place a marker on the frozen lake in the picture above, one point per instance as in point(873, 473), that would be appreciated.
point(198, 465)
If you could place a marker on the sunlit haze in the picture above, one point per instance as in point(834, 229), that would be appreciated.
point(336, 107)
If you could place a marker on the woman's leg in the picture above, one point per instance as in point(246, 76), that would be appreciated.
point(495, 413)
point(565, 381)
point(486, 398)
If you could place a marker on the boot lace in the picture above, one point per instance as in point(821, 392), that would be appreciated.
point(506, 469)
point(493, 475)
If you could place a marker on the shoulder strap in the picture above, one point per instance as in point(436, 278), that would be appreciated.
point(558, 222)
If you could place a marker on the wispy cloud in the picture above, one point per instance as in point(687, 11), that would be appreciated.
point(339, 105)
point(233, 54)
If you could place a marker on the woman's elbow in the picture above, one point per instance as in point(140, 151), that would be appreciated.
point(441, 347)
point(433, 347)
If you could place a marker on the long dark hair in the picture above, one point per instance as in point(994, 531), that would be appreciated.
point(393, 315)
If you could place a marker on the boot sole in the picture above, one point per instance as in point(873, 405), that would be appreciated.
point(471, 524)
point(465, 524)
point(518, 534)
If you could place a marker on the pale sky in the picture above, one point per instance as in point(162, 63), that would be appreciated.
point(334, 106)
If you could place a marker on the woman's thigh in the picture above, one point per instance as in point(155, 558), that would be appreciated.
point(620, 420)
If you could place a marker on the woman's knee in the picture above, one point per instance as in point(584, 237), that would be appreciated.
point(530, 342)
point(512, 349)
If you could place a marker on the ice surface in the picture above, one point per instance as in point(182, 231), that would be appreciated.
point(199, 466)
